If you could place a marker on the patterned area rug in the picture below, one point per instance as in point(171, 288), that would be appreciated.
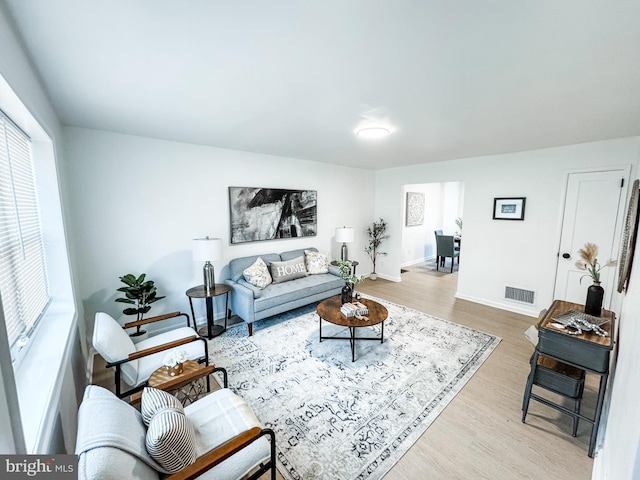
point(342, 420)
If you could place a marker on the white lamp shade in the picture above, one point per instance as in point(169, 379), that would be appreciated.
point(345, 235)
point(206, 249)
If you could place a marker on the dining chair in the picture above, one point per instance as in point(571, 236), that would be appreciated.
point(446, 248)
point(437, 233)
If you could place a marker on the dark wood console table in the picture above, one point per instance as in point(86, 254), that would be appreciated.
point(587, 351)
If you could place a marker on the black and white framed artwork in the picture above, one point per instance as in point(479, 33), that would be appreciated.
point(510, 208)
point(258, 214)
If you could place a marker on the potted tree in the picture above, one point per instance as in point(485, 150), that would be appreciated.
point(377, 234)
point(139, 293)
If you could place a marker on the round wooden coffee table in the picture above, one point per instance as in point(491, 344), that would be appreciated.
point(329, 310)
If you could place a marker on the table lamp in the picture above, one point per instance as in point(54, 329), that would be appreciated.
point(344, 235)
point(207, 250)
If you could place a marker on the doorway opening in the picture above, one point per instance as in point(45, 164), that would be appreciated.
point(429, 207)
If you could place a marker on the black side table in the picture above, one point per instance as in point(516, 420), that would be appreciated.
point(354, 264)
point(200, 292)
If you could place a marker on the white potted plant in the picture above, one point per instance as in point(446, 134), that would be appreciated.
point(377, 234)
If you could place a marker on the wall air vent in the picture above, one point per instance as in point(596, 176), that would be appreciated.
point(520, 295)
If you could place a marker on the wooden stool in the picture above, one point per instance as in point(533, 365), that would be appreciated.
point(556, 377)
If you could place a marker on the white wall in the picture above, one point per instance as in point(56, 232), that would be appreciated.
point(620, 455)
point(135, 204)
point(499, 253)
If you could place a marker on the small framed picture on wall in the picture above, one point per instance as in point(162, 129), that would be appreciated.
point(508, 208)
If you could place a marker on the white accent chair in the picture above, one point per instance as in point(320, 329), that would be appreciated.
point(230, 442)
point(134, 363)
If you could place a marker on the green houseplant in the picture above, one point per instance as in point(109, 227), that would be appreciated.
point(346, 269)
point(377, 234)
point(350, 280)
point(139, 293)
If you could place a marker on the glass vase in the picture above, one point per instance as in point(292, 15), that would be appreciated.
point(346, 294)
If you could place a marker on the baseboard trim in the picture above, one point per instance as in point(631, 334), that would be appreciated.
point(387, 277)
point(530, 312)
point(418, 261)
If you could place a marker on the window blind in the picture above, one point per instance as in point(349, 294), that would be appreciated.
point(23, 276)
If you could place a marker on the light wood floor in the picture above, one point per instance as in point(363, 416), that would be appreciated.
point(480, 434)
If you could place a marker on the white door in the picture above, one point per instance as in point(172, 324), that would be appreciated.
point(593, 212)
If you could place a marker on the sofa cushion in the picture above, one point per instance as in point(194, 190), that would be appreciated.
point(257, 274)
point(238, 265)
point(288, 270)
point(281, 293)
point(316, 262)
point(171, 440)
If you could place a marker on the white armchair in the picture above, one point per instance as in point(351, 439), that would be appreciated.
point(217, 437)
point(134, 363)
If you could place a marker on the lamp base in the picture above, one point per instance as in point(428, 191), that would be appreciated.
point(343, 252)
point(209, 277)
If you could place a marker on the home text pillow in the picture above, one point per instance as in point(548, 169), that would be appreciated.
point(316, 262)
point(289, 270)
point(171, 440)
point(154, 400)
point(257, 274)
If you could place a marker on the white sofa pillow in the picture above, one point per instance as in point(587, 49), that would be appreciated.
point(258, 274)
point(316, 262)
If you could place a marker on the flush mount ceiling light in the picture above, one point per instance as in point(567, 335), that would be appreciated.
point(373, 132)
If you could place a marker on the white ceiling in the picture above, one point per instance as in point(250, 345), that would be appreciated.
point(293, 78)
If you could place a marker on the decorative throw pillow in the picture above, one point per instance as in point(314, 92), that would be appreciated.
point(289, 270)
point(171, 440)
point(257, 274)
point(154, 401)
point(316, 262)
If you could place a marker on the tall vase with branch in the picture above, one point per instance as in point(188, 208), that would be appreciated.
point(377, 234)
point(589, 262)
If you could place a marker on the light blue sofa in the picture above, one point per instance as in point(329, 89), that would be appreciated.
point(251, 304)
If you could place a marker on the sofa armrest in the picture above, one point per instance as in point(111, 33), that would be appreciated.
point(257, 293)
point(242, 301)
point(333, 270)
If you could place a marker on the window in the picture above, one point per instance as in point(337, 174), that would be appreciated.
point(23, 276)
